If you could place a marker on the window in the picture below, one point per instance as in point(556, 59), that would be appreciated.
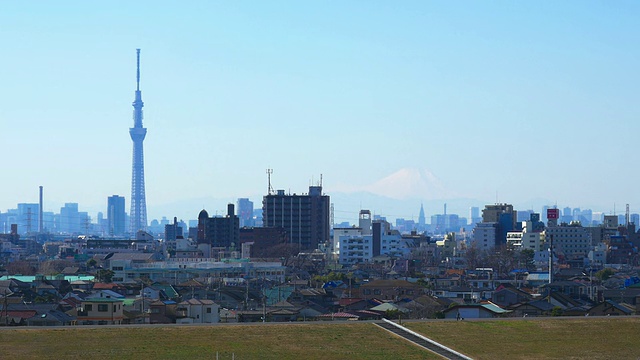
point(88, 307)
point(103, 307)
point(208, 310)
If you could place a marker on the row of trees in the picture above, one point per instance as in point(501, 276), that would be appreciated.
point(49, 267)
point(502, 259)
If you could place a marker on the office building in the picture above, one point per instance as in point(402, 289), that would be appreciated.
point(218, 232)
point(245, 212)
point(304, 217)
point(116, 216)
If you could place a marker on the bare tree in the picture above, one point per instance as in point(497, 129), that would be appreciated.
point(475, 257)
point(51, 267)
point(20, 267)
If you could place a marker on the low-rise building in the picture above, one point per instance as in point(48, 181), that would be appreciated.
point(195, 311)
point(100, 311)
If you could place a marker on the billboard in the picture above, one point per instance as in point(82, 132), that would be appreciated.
point(553, 213)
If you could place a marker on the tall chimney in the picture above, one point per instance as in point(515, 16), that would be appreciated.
point(230, 210)
point(40, 228)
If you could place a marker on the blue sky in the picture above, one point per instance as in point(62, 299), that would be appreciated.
point(535, 100)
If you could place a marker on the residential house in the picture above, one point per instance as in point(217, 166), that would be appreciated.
point(427, 307)
point(388, 290)
point(195, 311)
point(464, 293)
point(353, 304)
point(506, 295)
point(283, 311)
point(101, 311)
point(107, 294)
point(51, 318)
point(163, 312)
point(388, 306)
point(573, 289)
point(611, 308)
point(475, 311)
point(532, 308)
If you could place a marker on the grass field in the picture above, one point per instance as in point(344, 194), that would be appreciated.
point(294, 341)
point(592, 338)
point(562, 338)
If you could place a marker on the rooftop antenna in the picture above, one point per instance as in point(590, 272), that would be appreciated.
point(320, 180)
point(270, 189)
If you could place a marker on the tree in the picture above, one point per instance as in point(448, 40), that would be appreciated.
point(474, 256)
point(21, 268)
point(392, 314)
point(502, 260)
point(105, 275)
point(605, 274)
point(526, 259)
point(91, 263)
point(52, 267)
point(556, 311)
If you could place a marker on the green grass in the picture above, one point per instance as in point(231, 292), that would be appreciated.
point(573, 338)
point(563, 338)
point(293, 341)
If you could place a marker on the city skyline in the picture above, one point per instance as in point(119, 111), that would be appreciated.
point(504, 103)
point(70, 218)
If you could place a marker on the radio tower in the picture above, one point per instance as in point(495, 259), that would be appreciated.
point(138, 212)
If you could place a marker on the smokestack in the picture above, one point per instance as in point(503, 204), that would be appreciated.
point(40, 213)
point(230, 210)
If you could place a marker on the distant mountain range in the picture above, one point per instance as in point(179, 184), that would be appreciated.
point(404, 184)
point(398, 195)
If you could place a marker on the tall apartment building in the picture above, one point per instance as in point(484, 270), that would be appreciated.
point(528, 238)
point(304, 217)
point(505, 219)
point(474, 215)
point(245, 212)
point(72, 221)
point(484, 235)
point(115, 216)
point(172, 232)
point(370, 239)
point(571, 242)
point(219, 232)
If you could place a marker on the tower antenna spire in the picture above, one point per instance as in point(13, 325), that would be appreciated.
point(138, 71)
point(269, 172)
point(138, 214)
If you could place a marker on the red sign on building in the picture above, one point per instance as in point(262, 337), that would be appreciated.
point(553, 213)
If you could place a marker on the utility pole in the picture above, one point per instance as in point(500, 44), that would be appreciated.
point(6, 310)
